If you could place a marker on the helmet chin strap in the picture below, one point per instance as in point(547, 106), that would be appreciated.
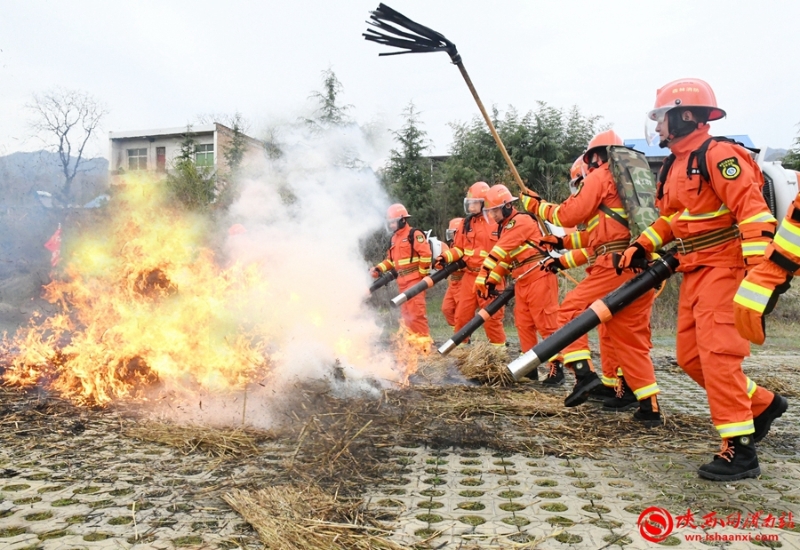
point(678, 127)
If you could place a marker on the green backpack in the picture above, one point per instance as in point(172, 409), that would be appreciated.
point(636, 186)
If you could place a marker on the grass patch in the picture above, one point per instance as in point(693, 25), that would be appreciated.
point(94, 537)
point(471, 482)
point(430, 504)
point(546, 482)
point(512, 507)
point(431, 493)
point(568, 538)
point(17, 487)
point(9, 532)
point(430, 518)
point(516, 521)
point(472, 520)
point(190, 540)
point(549, 494)
point(29, 500)
point(471, 494)
point(120, 520)
point(39, 516)
point(472, 506)
point(53, 534)
point(553, 507)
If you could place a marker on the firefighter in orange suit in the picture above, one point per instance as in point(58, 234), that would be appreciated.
point(759, 292)
point(598, 205)
point(410, 255)
point(473, 241)
point(454, 280)
point(723, 226)
point(516, 253)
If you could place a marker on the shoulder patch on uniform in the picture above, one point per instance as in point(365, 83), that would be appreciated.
point(510, 224)
point(729, 168)
point(420, 239)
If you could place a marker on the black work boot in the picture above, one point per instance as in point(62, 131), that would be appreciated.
point(623, 399)
point(736, 460)
point(649, 413)
point(602, 392)
point(763, 421)
point(585, 381)
point(556, 375)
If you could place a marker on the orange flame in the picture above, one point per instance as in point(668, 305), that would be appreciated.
point(144, 302)
point(408, 347)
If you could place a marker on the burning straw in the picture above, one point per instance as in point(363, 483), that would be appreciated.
point(287, 518)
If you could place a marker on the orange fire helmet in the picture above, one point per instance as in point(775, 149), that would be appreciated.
point(477, 190)
point(497, 195)
point(473, 203)
point(602, 140)
point(577, 172)
point(687, 92)
point(452, 228)
point(396, 211)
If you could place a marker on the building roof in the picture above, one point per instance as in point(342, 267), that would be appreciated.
point(654, 151)
point(163, 132)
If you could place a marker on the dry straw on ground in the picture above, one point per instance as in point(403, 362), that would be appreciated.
point(288, 518)
point(188, 439)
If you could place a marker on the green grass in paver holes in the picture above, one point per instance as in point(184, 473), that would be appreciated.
point(39, 516)
point(53, 534)
point(425, 533)
point(568, 538)
point(191, 540)
point(94, 537)
point(516, 521)
point(86, 490)
point(472, 506)
point(560, 521)
point(472, 520)
point(432, 493)
point(12, 532)
point(430, 504)
point(471, 481)
point(596, 509)
point(471, 494)
point(430, 518)
point(617, 539)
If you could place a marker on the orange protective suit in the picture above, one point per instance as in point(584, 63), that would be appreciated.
point(411, 258)
point(535, 290)
point(451, 295)
point(759, 292)
point(626, 337)
point(709, 348)
point(473, 241)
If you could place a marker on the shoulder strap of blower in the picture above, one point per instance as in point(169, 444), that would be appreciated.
point(698, 165)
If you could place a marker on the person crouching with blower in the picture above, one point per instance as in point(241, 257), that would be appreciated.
point(410, 255)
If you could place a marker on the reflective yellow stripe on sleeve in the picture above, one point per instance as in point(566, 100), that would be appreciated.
point(788, 238)
point(752, 296)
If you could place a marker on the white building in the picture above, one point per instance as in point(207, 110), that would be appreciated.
point(155, 150)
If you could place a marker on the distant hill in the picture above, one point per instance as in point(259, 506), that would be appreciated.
point(22, 174)
point(774, 154)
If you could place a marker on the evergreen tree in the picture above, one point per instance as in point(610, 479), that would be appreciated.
point(195, 187)
point(792, 158)
point(330, 111)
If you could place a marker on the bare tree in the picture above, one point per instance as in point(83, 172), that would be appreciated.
point(65, 120)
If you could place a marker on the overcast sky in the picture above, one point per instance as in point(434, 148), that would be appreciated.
point(159, 64)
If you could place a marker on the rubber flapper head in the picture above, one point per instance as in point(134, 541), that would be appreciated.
point(398, 31)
